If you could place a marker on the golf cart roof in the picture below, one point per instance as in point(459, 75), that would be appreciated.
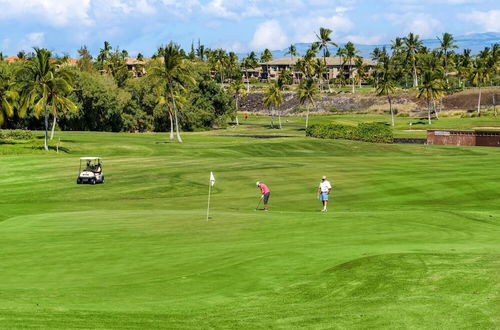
point(90, 158)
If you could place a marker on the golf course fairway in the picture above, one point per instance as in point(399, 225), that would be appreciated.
point(411, 239)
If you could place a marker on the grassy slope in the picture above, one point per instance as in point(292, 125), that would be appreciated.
point(411, 240)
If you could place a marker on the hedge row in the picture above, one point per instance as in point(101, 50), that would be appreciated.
point(368, 132)
point(17, 134)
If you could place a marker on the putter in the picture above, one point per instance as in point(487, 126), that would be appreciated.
point(257, 208)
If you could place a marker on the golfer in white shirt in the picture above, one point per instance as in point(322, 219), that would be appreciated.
point(324, 191)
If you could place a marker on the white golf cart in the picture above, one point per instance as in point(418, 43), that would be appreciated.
point(92, 171)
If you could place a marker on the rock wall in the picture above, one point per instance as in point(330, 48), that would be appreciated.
point(406, 102)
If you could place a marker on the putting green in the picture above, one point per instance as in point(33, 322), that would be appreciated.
point(411, 239)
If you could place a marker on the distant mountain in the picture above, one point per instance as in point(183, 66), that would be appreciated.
point(476, 42)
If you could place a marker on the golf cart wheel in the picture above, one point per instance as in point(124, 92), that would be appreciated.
point(102, 179)
point(92, 181)
point(78, 181)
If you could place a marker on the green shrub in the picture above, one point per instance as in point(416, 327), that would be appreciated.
point(17, 134)
point(368, 132)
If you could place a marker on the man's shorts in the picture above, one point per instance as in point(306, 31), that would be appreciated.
point(266, 197)
point(324, 196)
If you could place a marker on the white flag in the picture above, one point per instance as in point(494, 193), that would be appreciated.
point(212, 179)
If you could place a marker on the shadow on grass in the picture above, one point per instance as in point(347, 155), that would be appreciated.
point(51, 148)
point(164, 142)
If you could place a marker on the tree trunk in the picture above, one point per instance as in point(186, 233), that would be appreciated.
point(46, 121)
point(279, 118)
point(272, 117)
point(479, 102)
point(415, 78)
point(175, 117)
point(494, 105)
point(236, 115)
point(307, 117)
point(248, 81)
point(171, 126)
point(435, 109)
point(390, 109)
point(429, 111)
point(53, 127)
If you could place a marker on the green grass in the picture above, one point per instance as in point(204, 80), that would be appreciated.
point(411, 239)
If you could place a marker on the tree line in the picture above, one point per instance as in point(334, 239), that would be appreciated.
point(407, 65)
point(39, 91)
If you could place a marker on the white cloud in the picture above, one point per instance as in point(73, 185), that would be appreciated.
point(306, 30)
point(54, 12)
point(364, 40)
point(489, 21)
point(34, 39)
point(419, 23)
point(269, 34)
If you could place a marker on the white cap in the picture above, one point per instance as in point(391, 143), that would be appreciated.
point(324, 177)
point(257, 183)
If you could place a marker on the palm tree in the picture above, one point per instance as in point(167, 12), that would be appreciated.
point(8, 96)
point(431, 88)
point(464, 65)
point(479, 76)
point(360, 68)
point(292, 51)
point(57, 90)
point(21, 55)
point(237, 88)
point(447, 42)
point(103, 54)
point(173, 76)
point(411, 47)
point(218, 61)
point(351, 53)
point(341, 52)
point(45, 87)
point(307, 92)
point(266, 56)
point(386, 83)
point(323, 41)
point(273, 99)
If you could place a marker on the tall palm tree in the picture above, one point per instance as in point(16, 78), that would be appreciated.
point(173, 76)
point(360, 69)
point(341, 52)
point(8, 95)
point(292, 51)
point(250, 62)
point(323, 41)
point(57, 91)
point(237, 88)
point(431, 88)
point(386, 83)
point(218, 61)
point(411, 45)
point(307, 92)
point(273, 99)
point(447, 42)
point(104, 54)
point(351, 53)
point(45, 87)
point(478, 76)
point(266, 56)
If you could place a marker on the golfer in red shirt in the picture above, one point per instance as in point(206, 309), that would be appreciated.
point(265, 194)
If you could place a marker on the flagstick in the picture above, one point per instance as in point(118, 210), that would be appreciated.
point(208, 205)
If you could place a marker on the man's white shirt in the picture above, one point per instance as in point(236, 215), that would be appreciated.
point(325, 186)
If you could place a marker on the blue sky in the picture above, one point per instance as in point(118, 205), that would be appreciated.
point(237, 25)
